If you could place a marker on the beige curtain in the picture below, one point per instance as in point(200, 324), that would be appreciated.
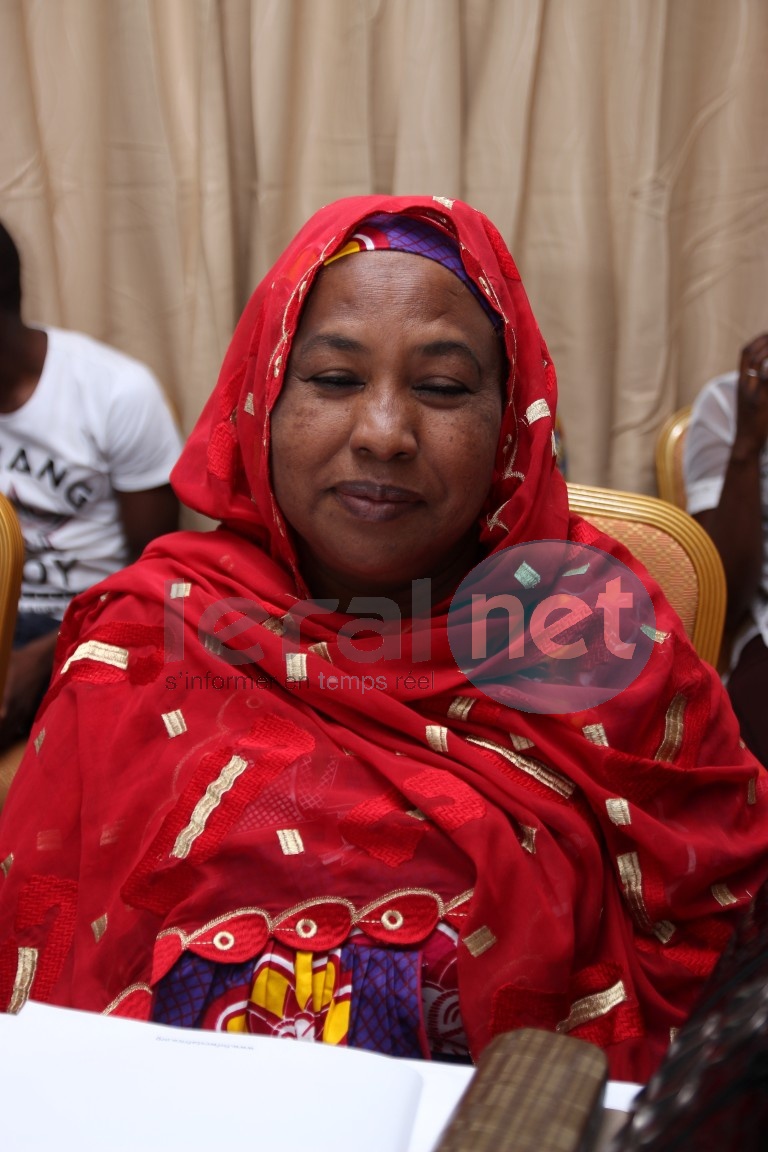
point(156, 155)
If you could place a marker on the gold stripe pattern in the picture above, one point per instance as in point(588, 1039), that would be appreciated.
point(531, 767)
point(212, 644)
point(664, 930)
point(7, 864)
point(49, 840)
point(39, 740)
point(460, 707)
point(291, 842)
point(26, 967)
point(752, 791)
point(480, 941)
point(723, 895)
point(101, 653)
point(248, 404)
point(527, 576)
point(632, 881)
point(206, 805)
point(618, 810)
point(654, 634)
point(590, 1007)
point(437, 737)
point(296, 666)
point(99, 927)
point(596, 734)
point(180, 590)
point(520, 743)
point(416, 814)
point(110, 1008)
point(528, 838)
point(322, 650)
point(537, 411)
point(175, 724)
point(673, 730)
point(275, 624)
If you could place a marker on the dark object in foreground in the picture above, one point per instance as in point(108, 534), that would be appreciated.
point(711, 1092)
point(533, 1091)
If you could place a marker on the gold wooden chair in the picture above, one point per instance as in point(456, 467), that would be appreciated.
point(676, 550)
point(11, 565)
point(669, 457)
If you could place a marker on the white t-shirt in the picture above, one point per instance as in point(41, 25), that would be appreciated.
point(708, 442)
point(96, 423)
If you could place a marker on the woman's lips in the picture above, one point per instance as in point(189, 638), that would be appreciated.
point(376, 502)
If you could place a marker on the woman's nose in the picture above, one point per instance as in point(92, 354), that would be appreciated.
point(383, 423)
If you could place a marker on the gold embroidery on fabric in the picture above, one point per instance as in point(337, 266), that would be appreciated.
point(654, 634)
point(460, 707)
point(212, 644)
point(206, 805)
point(101, 653)
point(110, 1008)
point(577, 571)
point(175, 724)
point(752, 791)
point(296, 666)
point(527, 764)
point(528, 838)
point(673, 729)
point(480, 941)
point(49, 840)
point(673, 1033)
point(437, 737)
point(723, 895)
point(26, 966)
point(553, 442)
point(7, 864)
point(527, 576)
point(39, 740)
point(664, 930)
point(520, 743)
point(590, 1007)
point(99, 927)
point(632, 881)
point(180, 591)
point(416, 814)
point(274, 624)
point(537, 411)
point(596, 734)
point(248, 404)
point(322, 650)
point(495, 520)
point(290, 841)
point(444, 200)
point(618, 810)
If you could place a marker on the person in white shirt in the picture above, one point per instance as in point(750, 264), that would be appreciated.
point(726, 479)
point(87, 442)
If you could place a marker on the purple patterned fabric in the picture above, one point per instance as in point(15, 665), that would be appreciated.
point(420, 238)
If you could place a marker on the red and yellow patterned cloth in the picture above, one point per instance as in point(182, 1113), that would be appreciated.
point(198, 803)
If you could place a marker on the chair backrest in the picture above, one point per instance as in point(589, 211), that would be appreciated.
point(669, 457)
point(11, 565)
point(676, 550)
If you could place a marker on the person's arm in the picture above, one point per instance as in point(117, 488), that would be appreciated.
point(147, 514)
point(29, 673)
point(735, 525)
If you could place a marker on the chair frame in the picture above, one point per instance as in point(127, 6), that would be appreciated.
point(707, 632)
point(668, 448)
point(11, 568)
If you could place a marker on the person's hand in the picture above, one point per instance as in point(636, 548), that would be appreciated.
point(29, 672)
point(752, 402)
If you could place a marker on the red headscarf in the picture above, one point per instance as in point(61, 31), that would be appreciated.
point(592, 863)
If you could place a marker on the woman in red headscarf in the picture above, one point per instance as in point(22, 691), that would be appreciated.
point(251, 801)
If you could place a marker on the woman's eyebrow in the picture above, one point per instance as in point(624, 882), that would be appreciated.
point(448, 348)
point(333, 341)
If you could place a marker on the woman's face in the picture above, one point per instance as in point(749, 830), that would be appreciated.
point(384, 436)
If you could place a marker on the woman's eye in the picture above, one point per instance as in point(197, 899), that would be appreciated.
point(443, 388)
point(335, 381)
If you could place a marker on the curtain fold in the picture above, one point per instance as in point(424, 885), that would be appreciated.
point(156, 155)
